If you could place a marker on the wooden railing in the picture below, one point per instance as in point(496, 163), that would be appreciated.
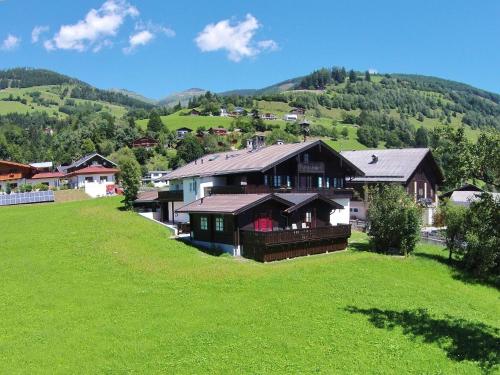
point(171, 195)
point(262, 189)
point(288, 236)
point(311, 167)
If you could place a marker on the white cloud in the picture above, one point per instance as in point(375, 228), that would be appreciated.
point(145, 33)
point(140, 38)
point(95, 30)
point(236, 38)
point(37, 31)
point(10, 43)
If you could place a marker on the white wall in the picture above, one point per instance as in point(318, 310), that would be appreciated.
point(97, 189)
point(361, 207)
point(78, 182)
point(341, 216)
point(51, 182)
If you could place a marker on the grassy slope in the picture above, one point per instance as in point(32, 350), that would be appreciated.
point(108, 291)
point(48, 93)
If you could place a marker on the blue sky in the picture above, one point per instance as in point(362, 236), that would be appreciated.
point(158, 47)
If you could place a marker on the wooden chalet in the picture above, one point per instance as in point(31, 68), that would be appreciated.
point(267, 226)
point(413, 168)
point(145, 142)
point(14, 174)
point(218, 131)
point(294, 193)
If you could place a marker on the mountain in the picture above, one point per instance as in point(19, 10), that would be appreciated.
point(276, 88)
point(182, 97)
point(134, 95)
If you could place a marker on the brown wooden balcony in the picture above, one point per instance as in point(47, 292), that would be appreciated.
point(289, 243)
point(170, 195)
point(262, 189)
point(311, 167)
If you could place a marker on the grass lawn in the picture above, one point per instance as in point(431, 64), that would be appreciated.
point(87, 288)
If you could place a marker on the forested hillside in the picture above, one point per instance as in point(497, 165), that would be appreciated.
point(48, 116)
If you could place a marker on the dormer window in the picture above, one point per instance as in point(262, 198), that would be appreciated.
point(306, 158)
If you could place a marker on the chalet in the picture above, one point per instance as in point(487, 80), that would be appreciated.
point(305, 183)
point(194, 112)
point(51, 179)
point(94, 173)
point(154, 177)
point(257, 141)
point(290, 117)
point(181, 132)
point(223, 112)
point(268, 116)
point(298, 111)
point(145, 142)
point(413, 168)
point(267, 227)
point(218, 131)
point(466, 194)
point(14, 174)
point(93, 159)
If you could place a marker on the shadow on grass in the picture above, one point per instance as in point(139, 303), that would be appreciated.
point(213, 251)
point(360, 246)
point(462, 340)
point(457, 272)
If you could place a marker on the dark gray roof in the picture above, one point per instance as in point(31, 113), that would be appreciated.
point(77, 163)
point(296, 198)
point(242, 161)
point(392, 165)
point(227, 203)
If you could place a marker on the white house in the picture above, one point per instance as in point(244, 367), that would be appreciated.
point(51, 179)
point(290, 117)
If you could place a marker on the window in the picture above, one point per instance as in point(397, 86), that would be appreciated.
point(320, 181)
point(89, 179)
point(306, 158)
point(308, 216)
point(288, 182)
point(104, 178)
point(204, 223)
point(277, 181)
point(327, 182)
point(219, 224)
point(266, 180)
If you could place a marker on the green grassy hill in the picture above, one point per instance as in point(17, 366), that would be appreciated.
point(108, 291)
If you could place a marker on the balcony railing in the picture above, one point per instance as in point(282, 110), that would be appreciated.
point(288, 236)
point(171, 195)
point(311, 167)
point(262, 189)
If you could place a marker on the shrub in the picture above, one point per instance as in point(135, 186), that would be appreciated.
point(394, 220)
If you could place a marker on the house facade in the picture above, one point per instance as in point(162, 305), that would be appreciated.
point(145, 142)
point(14, 174)
point(413, 168)
point(292, 170)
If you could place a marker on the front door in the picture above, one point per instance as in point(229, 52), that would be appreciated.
point(263, 223)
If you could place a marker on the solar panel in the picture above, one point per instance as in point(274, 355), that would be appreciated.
point(26, 198)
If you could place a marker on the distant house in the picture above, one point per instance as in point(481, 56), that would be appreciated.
point(14, 174)
point(268, 116)
point(154, 177)
point(290, 117)
point(218, 131)
point(256, 142)
point(223, 112)
point(238, 111)
point(194, 112)
point(466, 194)
point(45, 166)
point(51, 179)
point(413, 168)
point(93, 159)
point(298, 111)
point(94, 173)
point(145, 142)
point(181, 132)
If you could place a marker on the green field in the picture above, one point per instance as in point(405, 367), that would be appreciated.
point(87, 288)
point(52, 93)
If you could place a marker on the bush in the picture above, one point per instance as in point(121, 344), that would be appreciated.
point(394, 220)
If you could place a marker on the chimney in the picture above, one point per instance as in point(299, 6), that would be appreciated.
point(374, 159)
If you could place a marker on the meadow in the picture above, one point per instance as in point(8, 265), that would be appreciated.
point(86, 288)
